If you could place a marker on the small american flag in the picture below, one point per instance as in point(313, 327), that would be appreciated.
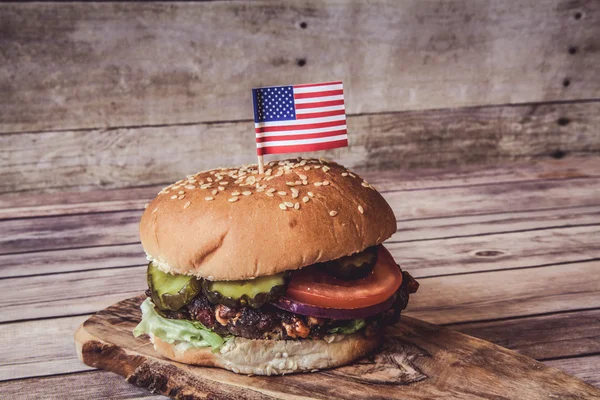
point(299, 118)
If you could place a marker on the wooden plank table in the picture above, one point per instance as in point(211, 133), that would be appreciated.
point(507, 253)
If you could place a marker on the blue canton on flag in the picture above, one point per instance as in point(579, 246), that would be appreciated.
point(274, 104)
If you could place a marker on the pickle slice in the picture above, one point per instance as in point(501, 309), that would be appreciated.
point(171, 292)
point(252, 292)
point(355, 266)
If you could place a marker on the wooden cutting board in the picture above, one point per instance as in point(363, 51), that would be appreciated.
point(418, 361)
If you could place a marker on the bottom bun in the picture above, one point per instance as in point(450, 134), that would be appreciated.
point(274, 357)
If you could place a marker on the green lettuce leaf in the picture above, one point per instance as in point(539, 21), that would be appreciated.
point(193, 333)
point(350, 327)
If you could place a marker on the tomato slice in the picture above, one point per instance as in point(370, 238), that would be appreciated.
point(311, 285)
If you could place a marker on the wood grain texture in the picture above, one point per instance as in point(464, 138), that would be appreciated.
point(507, 293)
point(93, 385)
point(68, 294)
point(53, 343)
point(546, 336)
point(112, 65)
point(130, 157)
point(413, 363)
point(460, 255)
point(71, 260)
point(583, 367)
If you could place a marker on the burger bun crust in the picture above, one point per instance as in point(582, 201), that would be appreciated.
point(233, 223)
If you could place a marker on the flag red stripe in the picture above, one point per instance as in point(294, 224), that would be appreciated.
point(317, 84)
point(302, 147)
point(321, 104)
point(296, 137)
point(299, 127)
point(318, 94)
point(320, 114)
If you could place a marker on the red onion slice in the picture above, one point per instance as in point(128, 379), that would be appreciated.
point(335, 313)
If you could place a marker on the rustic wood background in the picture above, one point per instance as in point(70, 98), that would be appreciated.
point(119, 95)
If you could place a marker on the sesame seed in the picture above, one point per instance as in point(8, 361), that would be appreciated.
point(271, 190)
point(247, 193)
point(352, 175)
point(311, 194)
point(233, 199)
point(305, 182)
point(155, 210)
point(204, 186)
point(326, 168)
point(289, 204)
point(290, 183)
point(190, 187)
point(282, 193)
point(192, 180)
point(146, 205)
point(318, 183)
point(235, 193)
point(181, 192)
point(325, 183)
point(224, 183)
point(364, 183)
point(297, 206)
point(294, 195)
point(221, 188)
point(303, 177)
point(173, 197)
point(306, 168)
point(294, 190)
point(298, 182)
point(209, 179)
point(181, 197)
point(214, 192)
point(305, 199)
point(269, 194)
point(333, 213)
point(209, 198)
point(344, 174)
point(283, 206)
point(260, 189)
point(361, 210)
point(187, 204)
point(317, 167)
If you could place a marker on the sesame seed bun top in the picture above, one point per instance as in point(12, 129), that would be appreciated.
point(233, 223)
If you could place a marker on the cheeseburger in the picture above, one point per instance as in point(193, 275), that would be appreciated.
point(270, 273)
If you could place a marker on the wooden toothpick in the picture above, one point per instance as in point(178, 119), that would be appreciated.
point(261, 165)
